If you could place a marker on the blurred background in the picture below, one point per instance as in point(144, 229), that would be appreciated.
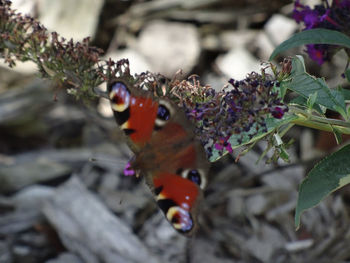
point(63, 196)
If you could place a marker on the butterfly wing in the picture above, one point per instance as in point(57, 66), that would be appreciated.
point(166, 151)
point(134, 113)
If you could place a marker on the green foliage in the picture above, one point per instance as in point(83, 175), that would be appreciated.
point(313, 36)
point(245, 138)
point(307, 85)
point(327, 176)
point(308, 109)
point(302, 101)
point(310, 106)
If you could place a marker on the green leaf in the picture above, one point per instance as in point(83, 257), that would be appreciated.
point(284, 154)
point(347, 74)
point(327, 176)
point(311, 100)
point(313, 36)
point(302, 101)
point(237, 140)
point(341, 111)
point(306, 85)
point(346, 93)
point(277, 140)
point(298, 65)
point(282, 90)
point(337, 135)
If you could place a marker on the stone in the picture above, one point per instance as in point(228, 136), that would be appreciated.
point(5, 253)
point(104, 108)
point(205, 251)
point(241, 38)
point(279, 28)
point(237, 63)
point(265, 242)
point(138, 62)
point(24, 68)
point(287, 178)
point(169, 46)
point(235, 206)
point(71, 19)
point(216, 82)
point(250, 159)
point(87, 228)
point(32, 196)
point(164, 240)
point(263, 45)
point(256, 204)
point(65, 258)
point(14, 177)
point(24, 6)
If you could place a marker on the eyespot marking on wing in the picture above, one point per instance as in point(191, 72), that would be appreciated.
point(195, 175)
point(165, 204)
point(180, 218)
point(164, 113)
point(120, 97)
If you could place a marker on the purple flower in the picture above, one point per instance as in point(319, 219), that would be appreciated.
point(317, 53)
point(224, 144)
point(197, 114)
point(335, 17)
point(342, 4)
point(306, 14)
point(233, 110)
point(277, 112)
point(311, 18)
point(128, 171)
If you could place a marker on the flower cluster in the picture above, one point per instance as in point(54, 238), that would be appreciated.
point(335, 17)
point(240, 109)
point(23, 38)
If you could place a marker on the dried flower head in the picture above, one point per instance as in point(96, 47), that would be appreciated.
point(72, 64)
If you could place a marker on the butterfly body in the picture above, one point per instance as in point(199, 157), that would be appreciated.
point(166, 151)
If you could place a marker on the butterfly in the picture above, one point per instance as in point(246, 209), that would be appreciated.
point(167, 153)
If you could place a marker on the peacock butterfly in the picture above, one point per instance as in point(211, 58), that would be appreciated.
point(167, 153)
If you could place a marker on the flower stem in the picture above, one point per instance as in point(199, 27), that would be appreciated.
point(320, 123)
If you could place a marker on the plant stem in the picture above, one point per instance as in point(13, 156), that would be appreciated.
point(320, 123)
